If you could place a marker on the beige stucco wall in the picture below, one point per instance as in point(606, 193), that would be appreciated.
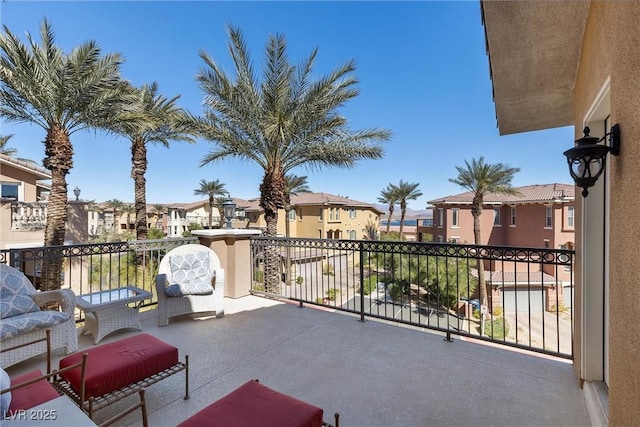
point(612, 49)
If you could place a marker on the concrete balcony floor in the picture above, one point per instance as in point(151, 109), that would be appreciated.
point(372, 373)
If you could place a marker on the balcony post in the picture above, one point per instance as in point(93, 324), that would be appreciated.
point(234, 250)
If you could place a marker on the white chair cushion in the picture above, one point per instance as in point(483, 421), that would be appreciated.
point(189, 268)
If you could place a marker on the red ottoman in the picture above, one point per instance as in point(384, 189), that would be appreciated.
point(118, 364)
point(258, 406)
point(31, 395)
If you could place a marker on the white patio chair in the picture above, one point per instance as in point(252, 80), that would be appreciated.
point(190, 280)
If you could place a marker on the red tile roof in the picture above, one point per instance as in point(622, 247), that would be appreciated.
point(538, 193)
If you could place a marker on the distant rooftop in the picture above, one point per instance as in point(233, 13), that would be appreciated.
point(528, 194)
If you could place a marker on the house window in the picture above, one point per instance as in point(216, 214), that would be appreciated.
point(300, 213)
point(440, 217)
point(352, 234)
point(352, 213)
point(570, 216)
point(548, 216)
point(440, 238)
point(455, 217)
point(547, 244)
point(11, 191)
point(512, 220)
point(321, 215)
point(331, 214)
point(292, 215)
point(454, 240)
point(496, 217)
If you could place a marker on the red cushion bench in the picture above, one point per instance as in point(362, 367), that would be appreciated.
point(33, 394)
point(118, 369)
point(254, 404)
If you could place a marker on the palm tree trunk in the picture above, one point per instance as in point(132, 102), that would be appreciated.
point(287, 234)
point(389, 220)
point(211, 202)
point(59, 154)
point(478, 241)
point(138, 171)
point(273, 196)
point(403, 212)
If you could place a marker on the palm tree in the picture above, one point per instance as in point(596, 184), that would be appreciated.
point(282, 121)
point(390, 198)
point(157, 120)
point(482, 178)
point(62, 93)
point(293, 185)
point(405, 191)
point(116, 206)
point(4, 149)
point(371, 231)
point(158, 210)
point(210, 189)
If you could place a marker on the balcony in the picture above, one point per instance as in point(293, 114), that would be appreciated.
point(373, 373)
point(28, 216)
point(374, 365)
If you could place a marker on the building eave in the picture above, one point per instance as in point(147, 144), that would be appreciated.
point(534, 50)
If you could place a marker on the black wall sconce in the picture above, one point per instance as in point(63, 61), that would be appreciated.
point(586, 159)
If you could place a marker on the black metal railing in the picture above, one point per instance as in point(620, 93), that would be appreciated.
point(435, 286)
point(94, 267)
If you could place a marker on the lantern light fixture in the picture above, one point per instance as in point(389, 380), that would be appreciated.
point(228, 208)
point(76, 192)
point(587, 159)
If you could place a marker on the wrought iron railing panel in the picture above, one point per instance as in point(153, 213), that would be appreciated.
point(93, 267)
point(429, 285)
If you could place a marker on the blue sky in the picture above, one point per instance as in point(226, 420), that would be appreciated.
point(423, 72)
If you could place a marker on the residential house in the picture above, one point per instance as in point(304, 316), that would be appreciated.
point(180, 215)
point(576, 63)
point(24, 202)
point(540, 216)
point(320, 215)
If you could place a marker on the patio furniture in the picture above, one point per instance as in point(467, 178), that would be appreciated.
point(190, 280)
point(109, 311)
point(254, 404)
point(119, 369)
point(33, 399)
point(22, 321)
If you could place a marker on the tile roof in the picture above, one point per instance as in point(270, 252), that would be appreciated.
point(316, 199)
point(39, 171)
point(528, 194)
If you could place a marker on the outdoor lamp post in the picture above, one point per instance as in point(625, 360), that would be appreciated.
point(76, 192)
point(228, 207)
point(586, 159)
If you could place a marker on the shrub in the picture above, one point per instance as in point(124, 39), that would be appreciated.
point(500, 328)
point(332, 293)
point(328, 270)
point(258, 276)
point(369, 284)
point(299, 280)
point(498, 311)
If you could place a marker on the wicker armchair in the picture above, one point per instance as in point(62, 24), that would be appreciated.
point(190, 280)
point(23, 321)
